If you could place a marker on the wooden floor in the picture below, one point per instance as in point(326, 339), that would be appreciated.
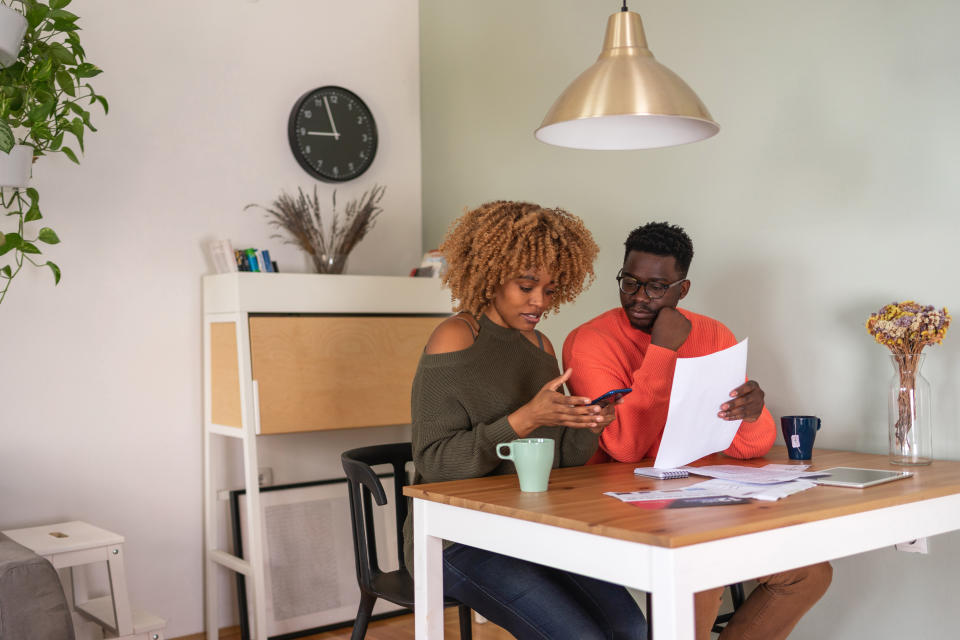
point(400, 628)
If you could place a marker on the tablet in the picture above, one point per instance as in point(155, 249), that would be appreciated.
point(858, 478)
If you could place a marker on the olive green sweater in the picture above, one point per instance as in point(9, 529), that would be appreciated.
point(460, 403)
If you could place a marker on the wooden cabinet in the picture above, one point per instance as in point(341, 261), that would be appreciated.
point(332, 372)
point(285, 353)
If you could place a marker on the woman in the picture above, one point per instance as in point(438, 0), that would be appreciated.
point(488, 376)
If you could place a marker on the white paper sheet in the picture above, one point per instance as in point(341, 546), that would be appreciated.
point(700, 386)
point(769, 474)
point(770, 492)
point(692, 491)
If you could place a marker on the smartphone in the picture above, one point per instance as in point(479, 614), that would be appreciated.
point(610, 396)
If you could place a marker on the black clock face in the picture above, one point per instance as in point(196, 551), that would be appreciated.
point(332, 134)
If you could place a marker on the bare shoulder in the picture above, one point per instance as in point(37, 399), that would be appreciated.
point(456, 333)
point(547, 345)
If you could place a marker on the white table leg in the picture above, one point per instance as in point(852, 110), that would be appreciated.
point(673, 615)
point(428, 577)
point(672, 600)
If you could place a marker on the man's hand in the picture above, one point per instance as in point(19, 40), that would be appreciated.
point(747, 403)
point(670, 329)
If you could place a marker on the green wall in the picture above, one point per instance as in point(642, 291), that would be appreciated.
point(829, 192)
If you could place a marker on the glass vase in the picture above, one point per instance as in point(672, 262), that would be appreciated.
point(909, 411)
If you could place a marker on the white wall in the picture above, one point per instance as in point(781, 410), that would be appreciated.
point(830, 191)
point(100, 382)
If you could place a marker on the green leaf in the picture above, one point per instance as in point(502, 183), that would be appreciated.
point(48, 235)
point(16, 104)
point(40, 112)
point(33, 213)
point(60, 14)
point(7, 141)
point(6, 272)
point(73, 106)
point(61, 54)
point(56, 142)
point(56, 272)
point(33, 195)
point(35, 15)
point(58, 4)
point(11, 241)
point(103, 103)
point(86, 120)
point(29, 247)
point(78, 51)
point(66, 83)
point(76, 128)
point(87, 70)
point(62, 25)
point(67, 151)
point(43, 70)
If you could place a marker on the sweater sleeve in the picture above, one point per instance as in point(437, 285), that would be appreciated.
point(446, 446)
point(597, 367)
point(576, 446)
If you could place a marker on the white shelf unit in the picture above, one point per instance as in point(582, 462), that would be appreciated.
point(230, 300)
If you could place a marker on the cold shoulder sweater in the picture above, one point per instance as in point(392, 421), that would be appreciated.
point(460, 403)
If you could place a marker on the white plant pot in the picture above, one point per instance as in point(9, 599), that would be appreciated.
point(15, 166)
point(12, 27)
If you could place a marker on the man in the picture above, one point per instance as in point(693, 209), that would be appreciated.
point(637, 346)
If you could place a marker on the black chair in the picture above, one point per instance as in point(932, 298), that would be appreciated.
point(395, 586)
point(736, 596)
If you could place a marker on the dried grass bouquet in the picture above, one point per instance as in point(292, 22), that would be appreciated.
point(328, 245)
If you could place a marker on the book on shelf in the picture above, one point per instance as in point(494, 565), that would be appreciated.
point(256, 260)
point(221, 253)
point(252, 260)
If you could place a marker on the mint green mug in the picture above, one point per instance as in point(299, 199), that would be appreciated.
point(533, 458)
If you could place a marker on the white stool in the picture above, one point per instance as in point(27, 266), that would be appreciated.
point(71, 544)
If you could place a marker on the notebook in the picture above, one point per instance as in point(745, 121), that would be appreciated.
point(663, 474)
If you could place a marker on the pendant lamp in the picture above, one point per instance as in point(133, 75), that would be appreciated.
point(626, 100)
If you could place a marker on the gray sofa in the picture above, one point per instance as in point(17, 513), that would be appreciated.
point(32, 603)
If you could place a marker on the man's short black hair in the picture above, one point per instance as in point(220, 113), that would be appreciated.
point(662, 239)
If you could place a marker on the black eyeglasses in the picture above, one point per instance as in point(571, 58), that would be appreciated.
point(653, 290)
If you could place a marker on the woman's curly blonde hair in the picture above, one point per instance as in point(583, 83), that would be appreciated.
point(501, 240)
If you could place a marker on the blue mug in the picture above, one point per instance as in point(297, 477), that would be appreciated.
point(798, 435)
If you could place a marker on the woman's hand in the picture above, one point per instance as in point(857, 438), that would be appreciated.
point(551, 408)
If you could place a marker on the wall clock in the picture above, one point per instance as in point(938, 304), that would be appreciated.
point(332, 134)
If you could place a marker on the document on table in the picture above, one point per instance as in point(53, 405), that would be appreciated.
point(769, 492)
point(693, 491)
point(700, 386)
point(769, 474)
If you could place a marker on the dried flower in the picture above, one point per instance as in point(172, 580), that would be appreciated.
point(907, 327)
point(329, 247)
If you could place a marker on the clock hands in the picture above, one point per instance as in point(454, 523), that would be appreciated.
point(333, 126)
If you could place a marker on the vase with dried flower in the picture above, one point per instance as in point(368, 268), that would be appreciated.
point(328, 245)
point(906, 328)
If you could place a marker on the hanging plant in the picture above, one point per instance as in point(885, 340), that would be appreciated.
point(43, 98)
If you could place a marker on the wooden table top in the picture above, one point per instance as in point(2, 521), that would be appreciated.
point(575, 500)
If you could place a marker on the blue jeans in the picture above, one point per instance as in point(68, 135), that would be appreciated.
point(536, 602)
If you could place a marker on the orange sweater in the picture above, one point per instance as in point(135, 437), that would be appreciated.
point(607, 353)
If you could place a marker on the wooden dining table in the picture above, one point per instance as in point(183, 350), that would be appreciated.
point(672, 553)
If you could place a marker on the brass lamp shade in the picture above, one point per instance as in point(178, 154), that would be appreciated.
point(626, 100)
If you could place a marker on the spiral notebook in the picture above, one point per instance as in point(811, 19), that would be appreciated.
point(662, 474)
